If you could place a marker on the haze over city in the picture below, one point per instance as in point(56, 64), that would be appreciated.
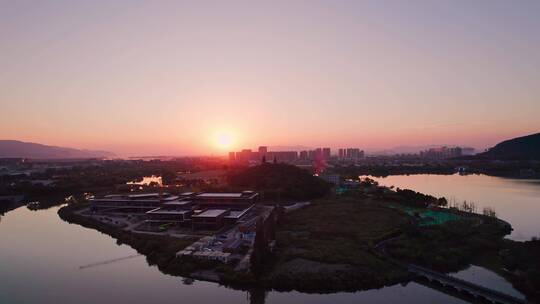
point(176, 78)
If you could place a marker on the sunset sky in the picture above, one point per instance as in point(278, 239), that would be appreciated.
point(183, 78)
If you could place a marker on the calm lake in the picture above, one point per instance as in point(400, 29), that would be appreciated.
point(41, 258)
point(516, 201)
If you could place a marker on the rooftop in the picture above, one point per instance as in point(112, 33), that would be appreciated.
point(236, 214)
point(211, 213)
point(170, 198)
point(217, 195)
point(213, 195)
point(138, 197)
point(143, 195)
point(167, 211)
point(177, 203)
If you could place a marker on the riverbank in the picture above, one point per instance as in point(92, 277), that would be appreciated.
point(330, 246)
point(329, 259)
point(518, 170)
point(159, 250)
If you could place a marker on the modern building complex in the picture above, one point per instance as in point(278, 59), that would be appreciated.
point(131, 202)
point(204, 210)
point(237, 199)
point(176, 212)
point(225, 224)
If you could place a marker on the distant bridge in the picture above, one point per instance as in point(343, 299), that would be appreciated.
point(461, 286)
point(474, 290)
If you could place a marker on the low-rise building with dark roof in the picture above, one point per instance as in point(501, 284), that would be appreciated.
point(212, 219)
point(227, 199)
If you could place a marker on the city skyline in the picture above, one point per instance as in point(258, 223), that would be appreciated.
point(174, 78)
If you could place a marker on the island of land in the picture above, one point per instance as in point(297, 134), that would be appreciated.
point(302, 235)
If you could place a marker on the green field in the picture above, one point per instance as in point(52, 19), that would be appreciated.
point(333, 242)
point(430, 217)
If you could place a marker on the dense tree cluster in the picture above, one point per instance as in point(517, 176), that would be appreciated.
point(419, 200)
point(382, 169)
point(450, 246)
point(522, 258)
point(280, 181)
point(265, 233)
point(89, 176)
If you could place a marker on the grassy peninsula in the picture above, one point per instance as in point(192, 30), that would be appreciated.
point(334, 243)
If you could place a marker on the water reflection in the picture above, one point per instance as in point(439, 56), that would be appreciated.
point(486, 278)
point(41, 256)
point(147, 181)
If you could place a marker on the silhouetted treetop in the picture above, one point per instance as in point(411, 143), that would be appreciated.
point(281, 181)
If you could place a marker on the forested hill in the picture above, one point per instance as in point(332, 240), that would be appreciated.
point(281, 181)
point(520, 148)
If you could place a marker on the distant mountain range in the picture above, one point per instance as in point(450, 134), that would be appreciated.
point(19, 149)
point(520, 148)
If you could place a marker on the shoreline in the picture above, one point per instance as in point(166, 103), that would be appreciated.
point(349, 281)
point(331, 245)
point(338, 277)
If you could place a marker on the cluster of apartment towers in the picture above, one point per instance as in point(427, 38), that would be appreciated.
point(247, 155)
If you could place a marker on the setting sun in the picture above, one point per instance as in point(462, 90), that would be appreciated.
point(224, 140)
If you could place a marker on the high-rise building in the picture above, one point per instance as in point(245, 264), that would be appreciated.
point(263, 150)
point(441, 153)
point(282, 156)
point(326, 153)
point(352, 154)
point(232, 156)
point(244, 156)
point(349, 153)
point(341, 154)
point(304, 155)
point(263, 153)
point(318, 153)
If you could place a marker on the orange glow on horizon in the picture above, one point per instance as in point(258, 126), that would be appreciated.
point(190, 79)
